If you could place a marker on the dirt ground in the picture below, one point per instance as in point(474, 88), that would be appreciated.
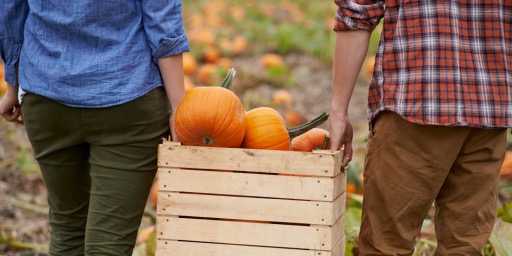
point(23, 206)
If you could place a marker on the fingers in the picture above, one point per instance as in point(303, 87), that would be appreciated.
point(347, 154)
point(13, 115)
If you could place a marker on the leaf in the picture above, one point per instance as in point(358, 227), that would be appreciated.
point(348, 249)
point(352, 222)
point(501, 238)
point(150, 245)
point(139, 250)
point(505, 212)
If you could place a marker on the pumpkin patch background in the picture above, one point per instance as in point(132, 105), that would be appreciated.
point(282, 52)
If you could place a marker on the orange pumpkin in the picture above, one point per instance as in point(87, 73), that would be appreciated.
point(211, 116)
point(189, 64)
point(270, 60)
point(506, 168)
point(282, 97)
point(211, 54)
point(266, 129)
point(153, 194)
point(208, 74)
point(292, 117)
point(316, 138)
point(3, 84)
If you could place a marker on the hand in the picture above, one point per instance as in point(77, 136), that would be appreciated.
point(341, 135)
point(174, 137)
point(9, 106)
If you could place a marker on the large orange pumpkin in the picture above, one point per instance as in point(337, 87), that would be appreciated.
point(211, 116)
point(316, 138)
point(266, 129)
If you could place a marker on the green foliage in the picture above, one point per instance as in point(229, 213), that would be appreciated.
point(505, 212)
point(353, 216)
point(501, 238)
point(26, 161)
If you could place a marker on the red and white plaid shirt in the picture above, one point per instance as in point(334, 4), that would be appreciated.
point(438, 62)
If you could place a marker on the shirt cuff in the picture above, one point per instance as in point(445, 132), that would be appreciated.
point(364, 15)
point(10, 63)
point(171, 46)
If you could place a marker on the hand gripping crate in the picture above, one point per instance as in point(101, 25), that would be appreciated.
point(244, 202)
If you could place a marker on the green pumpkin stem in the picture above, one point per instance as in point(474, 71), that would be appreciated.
point(296, 131)
point(325, 144)
point(228, 80)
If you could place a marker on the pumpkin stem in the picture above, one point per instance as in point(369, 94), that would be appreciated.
point(207, 140)
point(296, 131)
point(325, 144)
point(228, 80)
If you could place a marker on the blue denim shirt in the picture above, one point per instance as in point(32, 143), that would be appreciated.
point(89, 53)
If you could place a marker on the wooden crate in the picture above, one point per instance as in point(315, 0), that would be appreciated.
point(234, 202)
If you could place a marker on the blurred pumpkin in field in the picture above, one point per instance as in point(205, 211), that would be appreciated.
point(282, 97)
point(506, 167)
point(189, 63)
point(3, 84)
point(3, 87)
point(225, 62)
point(239, 44)
point(209, 74)
point(211, 54)
point(292, 117)
point(203, 36)
point(270, 60)
point(153, 194)
point(369, 65)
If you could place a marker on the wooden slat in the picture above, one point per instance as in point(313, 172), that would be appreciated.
point(250, 208)
point(243, 233)
point(338, 231)
point(184, 248)
point(250, 184)
point(339, 248)
point(250, 160)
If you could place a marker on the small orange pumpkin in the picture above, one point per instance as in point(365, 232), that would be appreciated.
point(266, 129)
point(211, 116)
point(316, 138)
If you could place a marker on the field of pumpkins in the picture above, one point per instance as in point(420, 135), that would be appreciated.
point(262, 69)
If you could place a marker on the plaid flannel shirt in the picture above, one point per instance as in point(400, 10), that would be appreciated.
point(438, 62)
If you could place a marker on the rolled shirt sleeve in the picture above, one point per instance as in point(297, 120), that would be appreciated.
point(163, 24)
point(13, 14)
point(358, 14)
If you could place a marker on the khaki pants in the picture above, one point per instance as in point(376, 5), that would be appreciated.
point(98, 166)
point(410, 166)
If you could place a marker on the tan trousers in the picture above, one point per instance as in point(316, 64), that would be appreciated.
point(410, 166)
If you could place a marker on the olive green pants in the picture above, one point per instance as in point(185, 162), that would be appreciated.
point(408, 167)
point(98, 166)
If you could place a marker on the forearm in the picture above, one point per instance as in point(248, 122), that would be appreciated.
point(171, 69)
point(349, 54)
